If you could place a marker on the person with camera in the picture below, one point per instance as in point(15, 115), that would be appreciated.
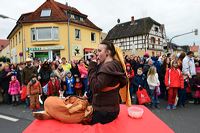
point(34, 89)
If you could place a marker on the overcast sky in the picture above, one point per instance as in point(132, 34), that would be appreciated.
point(178, 16)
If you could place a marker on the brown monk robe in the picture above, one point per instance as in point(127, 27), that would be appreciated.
point(69, 110)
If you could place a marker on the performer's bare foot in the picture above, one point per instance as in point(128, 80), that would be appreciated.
point(41, 115)
point(88, 111)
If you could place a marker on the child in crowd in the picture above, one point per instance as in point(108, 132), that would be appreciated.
point(78, 86)
point(183, 92)
point(173, 82)
point(14, 90)
point(130, 75)
point(34, 89)
point(154, 83)
point(69, 84)
point(139, 81)
point(53, 86)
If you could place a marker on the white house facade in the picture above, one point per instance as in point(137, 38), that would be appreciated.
point(139, 36)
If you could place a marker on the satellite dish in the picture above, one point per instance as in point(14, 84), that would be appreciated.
point(118, 20)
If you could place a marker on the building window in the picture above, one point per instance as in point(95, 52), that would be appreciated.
point(16, 40)
point(72, 16)
point(77, 34)
point(153, 40)
point(77, 17)
point(44, 33)
point(158, 40)
point(33, 34)
point(45, 13)
point(93, 37)
point(81, 19)
point(13, 42)
point(19, 37)
point(156, 29)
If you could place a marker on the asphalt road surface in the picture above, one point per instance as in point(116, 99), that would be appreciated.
point(181, 120)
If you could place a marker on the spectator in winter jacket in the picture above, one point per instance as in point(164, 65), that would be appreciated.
point(173, 82)
point(188, 66)
point(130, 75)
point(14, 90)
point(28, 71)
point(74, 70)
point(147, 65)
point(139, 80)
point(53, 86)
point(5, 77)
point(70, 84)
point(154, 83)
point(66, 66)
point(44, 73)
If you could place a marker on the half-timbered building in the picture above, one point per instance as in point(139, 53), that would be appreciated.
point(139, 36)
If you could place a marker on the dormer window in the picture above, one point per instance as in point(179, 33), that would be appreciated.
point(45, 13)
point(81, 19)
point(72, 16)
point(156, 29)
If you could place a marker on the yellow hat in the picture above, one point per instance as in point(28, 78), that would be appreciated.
point(28, 59)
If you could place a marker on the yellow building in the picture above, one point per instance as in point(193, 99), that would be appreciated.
point(52, 31)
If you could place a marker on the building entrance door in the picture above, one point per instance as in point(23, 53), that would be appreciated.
point(42, 55)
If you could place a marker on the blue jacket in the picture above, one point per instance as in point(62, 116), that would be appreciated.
point(70, 85)
point(139, 80)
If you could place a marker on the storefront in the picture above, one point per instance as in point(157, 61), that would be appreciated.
point(45, 53)
point(88, 52)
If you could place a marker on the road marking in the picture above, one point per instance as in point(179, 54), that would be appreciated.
point(8, 118)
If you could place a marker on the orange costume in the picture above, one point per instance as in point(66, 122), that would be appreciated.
point(34, 90)
point(69, 110)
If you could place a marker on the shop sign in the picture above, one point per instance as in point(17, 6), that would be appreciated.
point(46, 48)
point(77, 50)
point(20, 54)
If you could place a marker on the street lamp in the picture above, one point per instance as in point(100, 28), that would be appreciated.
point(23, 39)
point(195, 31)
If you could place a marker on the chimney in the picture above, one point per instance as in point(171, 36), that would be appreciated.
point(132, 19)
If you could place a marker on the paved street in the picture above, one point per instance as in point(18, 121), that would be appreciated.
point(14, 119)
point(182, 120)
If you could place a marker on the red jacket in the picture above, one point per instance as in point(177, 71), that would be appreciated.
point(174, 78)
point(50, 88)
point(130, 74)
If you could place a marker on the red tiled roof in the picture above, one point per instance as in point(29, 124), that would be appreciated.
point(3, 43)
point(57, 15)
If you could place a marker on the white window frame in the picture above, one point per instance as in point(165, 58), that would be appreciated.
point(45, 13)
point(94, 34)
point(81, 19)
point(79, 37)
point(35, 31)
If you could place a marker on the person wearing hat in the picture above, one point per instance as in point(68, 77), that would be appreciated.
point(34, 89)
point(28, 71)
point(53, 86)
